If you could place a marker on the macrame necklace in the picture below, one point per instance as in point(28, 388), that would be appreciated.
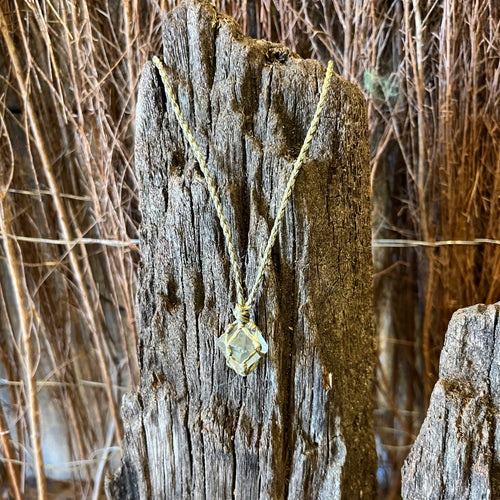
point(242, 342)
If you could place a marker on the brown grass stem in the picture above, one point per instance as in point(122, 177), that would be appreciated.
point(26, 326)
point(9, 454)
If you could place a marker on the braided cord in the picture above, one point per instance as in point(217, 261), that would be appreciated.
point(291, 182)
point(242, 306)
point(208, 178)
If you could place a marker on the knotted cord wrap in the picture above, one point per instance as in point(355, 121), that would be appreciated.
point(241, 314)
point(241, 310)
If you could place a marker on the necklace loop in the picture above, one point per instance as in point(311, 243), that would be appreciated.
point(242, 342)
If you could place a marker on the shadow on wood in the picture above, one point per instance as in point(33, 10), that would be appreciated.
point(300, 425)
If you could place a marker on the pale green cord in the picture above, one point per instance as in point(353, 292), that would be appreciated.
point(208, 178)
point(242, 307)
point(291, 181)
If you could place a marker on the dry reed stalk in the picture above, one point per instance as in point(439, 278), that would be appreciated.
point(14, 471)
point(9, 454)
point(30, 364)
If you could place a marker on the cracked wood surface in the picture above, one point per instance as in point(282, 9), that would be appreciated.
point(457, 452)
point(299, 426)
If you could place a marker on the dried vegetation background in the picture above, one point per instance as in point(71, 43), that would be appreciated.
point(430, 71)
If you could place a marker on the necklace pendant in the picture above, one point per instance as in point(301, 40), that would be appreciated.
point(243, 346)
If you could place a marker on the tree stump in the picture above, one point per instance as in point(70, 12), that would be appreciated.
point(457, 453)
point(300, 425)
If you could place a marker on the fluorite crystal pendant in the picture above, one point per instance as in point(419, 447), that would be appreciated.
point(243, 346)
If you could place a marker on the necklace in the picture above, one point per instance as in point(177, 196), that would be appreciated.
point(242, 342)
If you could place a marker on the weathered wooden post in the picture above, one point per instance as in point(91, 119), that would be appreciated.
point(457, 453)
point(300, 425)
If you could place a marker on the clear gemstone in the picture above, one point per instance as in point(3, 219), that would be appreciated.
point(243, 346)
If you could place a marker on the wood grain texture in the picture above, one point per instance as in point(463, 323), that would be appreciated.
point(457, 453)
point(300, 426)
